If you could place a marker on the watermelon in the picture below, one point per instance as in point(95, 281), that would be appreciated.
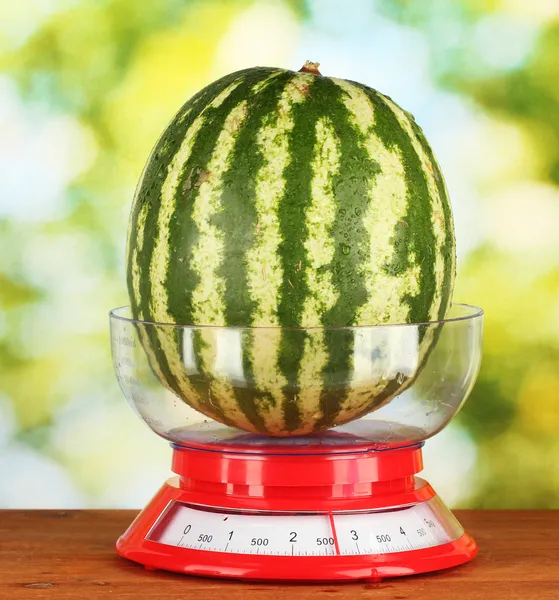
point(286, 207)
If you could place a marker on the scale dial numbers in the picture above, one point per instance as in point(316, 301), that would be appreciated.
point(402, 530)
point(397, 531)
point(280, 535)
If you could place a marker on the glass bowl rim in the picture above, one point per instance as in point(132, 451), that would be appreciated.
point(474, 313)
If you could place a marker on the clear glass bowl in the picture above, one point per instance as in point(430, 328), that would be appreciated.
point(388, 385)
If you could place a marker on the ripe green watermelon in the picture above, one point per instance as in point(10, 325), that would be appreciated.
point(275, 200)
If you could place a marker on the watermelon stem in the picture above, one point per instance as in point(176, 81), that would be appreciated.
point(310, 67)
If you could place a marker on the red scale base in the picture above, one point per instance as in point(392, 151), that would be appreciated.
point(265, 481)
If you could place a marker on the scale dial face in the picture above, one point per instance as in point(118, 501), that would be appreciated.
point(399, 529)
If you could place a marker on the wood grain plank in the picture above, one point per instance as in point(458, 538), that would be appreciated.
point(63, 555)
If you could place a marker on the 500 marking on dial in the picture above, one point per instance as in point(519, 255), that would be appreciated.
point(302, 534)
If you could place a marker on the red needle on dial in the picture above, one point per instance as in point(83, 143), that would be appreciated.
point(334, 534)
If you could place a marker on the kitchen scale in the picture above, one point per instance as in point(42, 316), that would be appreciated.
point(344, 504)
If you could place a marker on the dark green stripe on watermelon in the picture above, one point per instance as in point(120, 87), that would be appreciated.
point(238, 224)
point(249, 401)
point(237, 221)
point(350, 237)
point(293, 206)
point(414, 233)
point(201, 381)
point(340, 344)
point(291, 214)
point(448, 247)
point(351, 249)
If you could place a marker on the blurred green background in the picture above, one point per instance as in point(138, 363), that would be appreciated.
point(85, 88)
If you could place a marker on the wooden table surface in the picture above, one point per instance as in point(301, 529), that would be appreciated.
point(70, 554)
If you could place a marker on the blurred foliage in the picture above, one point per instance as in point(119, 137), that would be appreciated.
point(107, 76)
